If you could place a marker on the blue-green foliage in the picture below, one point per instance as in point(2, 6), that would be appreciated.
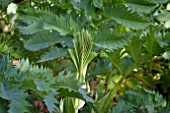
point(17, 83)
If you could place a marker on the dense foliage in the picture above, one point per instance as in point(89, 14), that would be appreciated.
point(87, 56)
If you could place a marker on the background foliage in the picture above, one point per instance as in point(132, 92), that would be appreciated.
point(122, 45)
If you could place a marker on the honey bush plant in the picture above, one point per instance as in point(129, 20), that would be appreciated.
point(87, 56)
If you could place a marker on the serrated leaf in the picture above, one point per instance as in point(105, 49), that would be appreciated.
point(151, 42)
point(107, 39)
point(134, 48)
point(74, 25)
point(31, 21)
point(16, 97)
point(42, 85)
point(29, 15)
point(10, 71)
point(158, 1)
point(28, 77)
point(126, 17)
point(80, 95)
point(51, 102)
point(66, 87)
point(34, 27)
point(60, 24)
point(143, 6)
point(42, 40)
point(3, 63)
point(18, 105)
point(53, 54)
point(133, 100)
point(39, 20)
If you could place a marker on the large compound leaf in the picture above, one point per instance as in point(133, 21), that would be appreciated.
point(42, 82)
point(107, 39)
point(39, 81)
point(42, 40)
point(33, 27)
point(53, 54)
point(39, 20)
point(126, 17)
point(141, 5)
point(31, 21)
point(30, 15)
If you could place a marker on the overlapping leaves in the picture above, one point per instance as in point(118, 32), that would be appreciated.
point(43, 29)
point(24, 77)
